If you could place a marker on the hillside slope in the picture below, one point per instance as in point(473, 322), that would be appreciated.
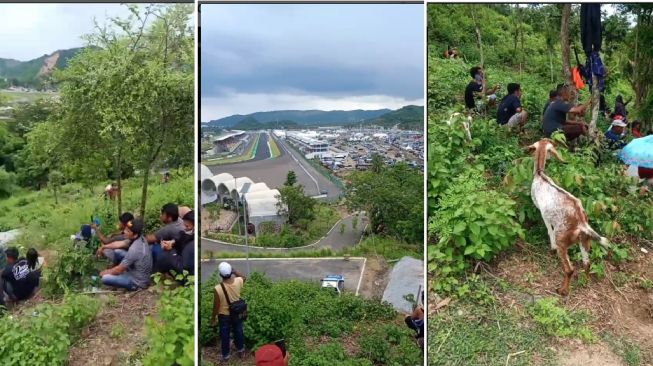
point(308, 117)
point(30, 73)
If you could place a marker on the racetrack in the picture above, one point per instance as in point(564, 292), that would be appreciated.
point(303, 269)
point(274, 171)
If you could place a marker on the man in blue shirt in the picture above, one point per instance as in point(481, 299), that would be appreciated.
point(615, 133)
point(510, 112)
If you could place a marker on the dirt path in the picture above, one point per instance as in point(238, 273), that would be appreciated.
point(620, 303)
point(118, 333)
point(375, 278)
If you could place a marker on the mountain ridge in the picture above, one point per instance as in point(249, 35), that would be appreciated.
point(31, 73)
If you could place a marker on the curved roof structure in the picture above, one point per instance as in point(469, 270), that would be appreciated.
point(261, 201)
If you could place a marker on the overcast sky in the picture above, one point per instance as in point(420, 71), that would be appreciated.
point(28, 31)
point(260, 57)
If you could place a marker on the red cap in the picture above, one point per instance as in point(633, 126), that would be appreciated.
point(269, 355)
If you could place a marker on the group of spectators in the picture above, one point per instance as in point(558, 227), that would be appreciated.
point(511, 113)
point(21, 276)
point(557, 109)
point(135, 255)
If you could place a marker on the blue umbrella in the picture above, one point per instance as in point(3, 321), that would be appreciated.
point(639, 152)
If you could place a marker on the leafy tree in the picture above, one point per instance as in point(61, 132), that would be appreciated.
point(129, 96)
point(392, 199)
point(294, 204)
point(55, 181)
point(291, 178)
point(25, 116)
point(377, 163)
point(7, 183)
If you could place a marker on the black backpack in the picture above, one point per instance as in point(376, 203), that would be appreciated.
point(238, 308)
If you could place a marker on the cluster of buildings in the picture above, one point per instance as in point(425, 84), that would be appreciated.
point(227, 143)
point(342, 149)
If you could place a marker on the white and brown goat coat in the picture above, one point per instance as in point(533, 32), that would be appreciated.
point(563, 214)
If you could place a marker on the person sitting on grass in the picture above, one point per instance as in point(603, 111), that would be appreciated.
point(114, 247)
point(415, 321)
point(134, 270)
point(18, 281)
point(510, 112)
point(178, 255)
point(555, 117)
point(231, 285)
point(173, 226)
point(553, 95)
point(35, 262)
point(475, 87)
point(615, 133)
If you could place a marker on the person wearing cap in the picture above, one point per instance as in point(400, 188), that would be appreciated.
point(271, 355)
point(233, 282)
point(114, 247)
point(510, 112)
point(555, 117)
point(134, 270)
point(616, 132)
point(179, 254)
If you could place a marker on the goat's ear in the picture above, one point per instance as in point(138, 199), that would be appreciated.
point(530, 149)
point(556, 154)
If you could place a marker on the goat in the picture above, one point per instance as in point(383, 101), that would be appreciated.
point(563, 214)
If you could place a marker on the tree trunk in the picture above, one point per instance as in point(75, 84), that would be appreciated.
point(596, 96)
point(146, 180)
point(636, 63)
point(118, 169)
point(551, 64)
point(56, 198)
point(478, 36)
point(564, 43)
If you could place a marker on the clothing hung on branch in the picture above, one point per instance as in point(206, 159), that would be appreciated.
point(594, 65)
point(590, 27)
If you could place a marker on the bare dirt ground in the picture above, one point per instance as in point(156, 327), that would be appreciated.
point(118, 332)
point(375, 278)
point(620, 304)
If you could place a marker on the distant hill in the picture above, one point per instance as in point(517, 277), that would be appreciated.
point(410, 117)
point(31, 73)
point(250, 123)
point(302, 118)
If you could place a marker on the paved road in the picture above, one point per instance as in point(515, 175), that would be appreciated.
point(304, 269)
point(273, 171)
point(334, 240)
point(263, 150)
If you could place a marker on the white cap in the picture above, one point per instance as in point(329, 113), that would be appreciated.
point(225, 269)
point(618, 123)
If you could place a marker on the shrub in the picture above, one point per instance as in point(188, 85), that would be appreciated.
point(472, 222)
point(171, 335)
point(43, 334)
point(555, 320)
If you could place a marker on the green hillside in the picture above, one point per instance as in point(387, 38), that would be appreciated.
point(26, 73)
point(410, 117)
point(251, 123)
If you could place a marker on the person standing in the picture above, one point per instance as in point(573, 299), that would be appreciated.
point(226, 292)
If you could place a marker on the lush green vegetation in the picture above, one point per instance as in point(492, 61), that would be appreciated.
point(479, 203)
point(26, 73)
point(250, 123)
point(171, 334)
point(317, 324)
point(124, 113)
point(42, 334)
point(392, 198)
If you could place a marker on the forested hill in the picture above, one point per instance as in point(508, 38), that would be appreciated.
point(410, 117)
point(30, 73)
point(310, 117)
point(523, 44)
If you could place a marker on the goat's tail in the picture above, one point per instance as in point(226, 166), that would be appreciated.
point(595, 236)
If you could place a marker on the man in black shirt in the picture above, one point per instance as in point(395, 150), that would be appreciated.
point(18, 281)
point(476, 86)
point(553, 95)
point(555, 117)
point(510, 112)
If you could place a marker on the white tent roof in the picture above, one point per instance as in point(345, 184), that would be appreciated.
point(262, 207)
point(205, 172)
point(269, 194)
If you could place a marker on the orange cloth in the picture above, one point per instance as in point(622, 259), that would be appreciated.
point(578, 79)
